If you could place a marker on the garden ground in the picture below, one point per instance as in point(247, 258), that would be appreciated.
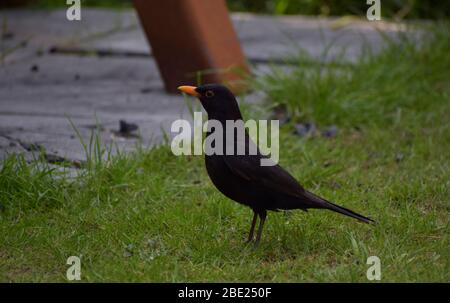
point(148, 215)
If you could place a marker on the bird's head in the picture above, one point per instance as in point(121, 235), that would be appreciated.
point(218, 101)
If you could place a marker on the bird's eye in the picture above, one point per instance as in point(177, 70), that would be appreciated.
point(209, 94)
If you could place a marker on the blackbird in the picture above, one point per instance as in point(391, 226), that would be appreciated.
point(243, 179)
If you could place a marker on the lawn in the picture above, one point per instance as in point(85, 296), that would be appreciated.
point(152, 216)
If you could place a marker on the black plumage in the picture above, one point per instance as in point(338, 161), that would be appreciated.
point(243, 179)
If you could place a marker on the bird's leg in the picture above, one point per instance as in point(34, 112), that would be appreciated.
point(262, 217)
point(252, 228)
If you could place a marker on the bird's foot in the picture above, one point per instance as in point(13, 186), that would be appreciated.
point(254, 244)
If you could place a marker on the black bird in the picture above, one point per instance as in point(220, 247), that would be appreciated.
point(243, 179)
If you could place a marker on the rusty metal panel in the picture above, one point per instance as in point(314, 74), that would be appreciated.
point(188, 36)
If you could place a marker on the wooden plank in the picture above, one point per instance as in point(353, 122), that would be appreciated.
point(191, 36)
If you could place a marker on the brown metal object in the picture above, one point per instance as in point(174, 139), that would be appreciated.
point(193, 41)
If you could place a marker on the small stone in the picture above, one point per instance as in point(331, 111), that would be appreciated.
point(399, 157)
point(283, 120)
point(54, 159)
point(304, 130)
point(280, 114)
point(31, 146)
point(129, 251)
point(330, 131)
point(327, 163)
point(126, 127)
point(7, 35)
point(34, 68)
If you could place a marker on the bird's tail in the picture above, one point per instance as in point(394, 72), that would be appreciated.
point(322, 203)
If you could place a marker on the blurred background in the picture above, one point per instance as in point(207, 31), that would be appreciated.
point(86, 167)
point(394, 9)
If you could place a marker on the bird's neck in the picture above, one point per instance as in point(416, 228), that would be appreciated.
point(233, 114)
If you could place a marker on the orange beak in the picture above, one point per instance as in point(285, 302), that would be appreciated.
point(190, 90)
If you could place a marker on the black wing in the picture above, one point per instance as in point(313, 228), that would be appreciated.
point(271, 177)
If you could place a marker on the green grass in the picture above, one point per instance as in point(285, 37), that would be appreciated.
point(389, 9)
point(151, 216)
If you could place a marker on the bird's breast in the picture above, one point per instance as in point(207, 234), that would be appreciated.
point(232, 186)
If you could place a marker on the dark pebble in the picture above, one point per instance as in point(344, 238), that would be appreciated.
point(327, 163)
point(34, 68)
point(306, 129)
point(330, 131)
point(54, 159)
point(280, 114)
point(7, 35)
point(31, 146)
point(125, 127)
